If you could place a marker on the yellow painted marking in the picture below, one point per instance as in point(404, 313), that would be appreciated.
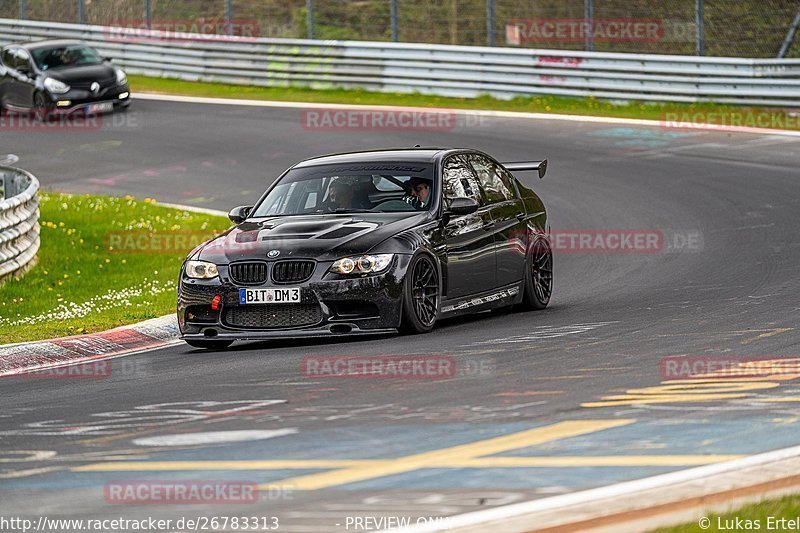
point(702, 387)
point(437, 458)
point(612, 401)
point(684, 391)
point(767, 333)
point(350, 471)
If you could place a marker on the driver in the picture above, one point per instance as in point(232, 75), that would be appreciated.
point(340, 195)
point(419, 196)
point(67, 57)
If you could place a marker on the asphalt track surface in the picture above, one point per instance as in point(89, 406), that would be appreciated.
point(578, 389)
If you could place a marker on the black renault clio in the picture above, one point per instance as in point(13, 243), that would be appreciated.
point(60, 76)
point(370, 242)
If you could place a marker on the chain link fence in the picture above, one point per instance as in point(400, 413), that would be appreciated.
point(740, 28)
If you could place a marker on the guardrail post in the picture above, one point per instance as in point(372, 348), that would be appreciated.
point(394, 23)
point(148, 14)
point(310, 13)
point(23, 10)
point(588, 17)
point(81, 11)
point(789, 37)
point(700, 31)
point(229, 17)
point(489, 22)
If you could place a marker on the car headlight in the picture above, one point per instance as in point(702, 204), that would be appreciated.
point(201, 270)
point(122, 78)
point(364, 264)
point(55, 86)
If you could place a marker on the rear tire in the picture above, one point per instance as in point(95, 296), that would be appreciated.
point(538, 286)
point(421, 295)
point(209, 345)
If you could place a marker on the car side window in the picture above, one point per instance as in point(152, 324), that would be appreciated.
point(460, 180)
point(507, 179)
point(7, 57)
point(22, 59)
point(492, 178)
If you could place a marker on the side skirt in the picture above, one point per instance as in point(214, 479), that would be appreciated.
point(497, 297)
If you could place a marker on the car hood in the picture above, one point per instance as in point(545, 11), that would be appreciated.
point(320, 237)
point(82, 73)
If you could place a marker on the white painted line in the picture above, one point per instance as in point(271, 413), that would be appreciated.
point(194, 209)
point(624, 489)
point(213, 437)
point(469, 112)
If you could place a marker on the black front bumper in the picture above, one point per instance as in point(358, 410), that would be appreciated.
point(79, 99)
point(331, 305)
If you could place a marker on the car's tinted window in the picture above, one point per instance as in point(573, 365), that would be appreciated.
point(66, 56)
point(493, 178)
point(377, 187)
point(459, 179)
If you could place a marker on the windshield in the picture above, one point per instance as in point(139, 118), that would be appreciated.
point(351, 188)
point(65, 56)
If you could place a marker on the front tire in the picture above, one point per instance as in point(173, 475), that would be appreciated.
point(209, 345)
point(538, 286)
point(41, 108)
point(421, 295)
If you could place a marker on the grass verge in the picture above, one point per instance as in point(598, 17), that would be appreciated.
point(704, 113)
point(103, 262)
point(787, 507)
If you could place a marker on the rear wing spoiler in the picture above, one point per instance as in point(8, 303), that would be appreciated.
point(540, 166)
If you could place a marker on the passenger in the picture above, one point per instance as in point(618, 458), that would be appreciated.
point(419, 193)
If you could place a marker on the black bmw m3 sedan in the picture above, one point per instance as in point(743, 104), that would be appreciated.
point(371, 242)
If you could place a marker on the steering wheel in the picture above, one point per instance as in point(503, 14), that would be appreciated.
point(394, 204)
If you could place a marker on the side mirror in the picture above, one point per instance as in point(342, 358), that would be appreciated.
point(109, 59)
point(239, 214)
point(462, 206)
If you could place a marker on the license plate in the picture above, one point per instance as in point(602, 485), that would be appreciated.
point(105, 107)
point(269, 296)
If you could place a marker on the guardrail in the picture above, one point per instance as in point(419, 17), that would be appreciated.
point(464, 71)
point(19, 220)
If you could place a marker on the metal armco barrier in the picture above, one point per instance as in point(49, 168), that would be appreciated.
point(19, 220)
point(432, 69)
